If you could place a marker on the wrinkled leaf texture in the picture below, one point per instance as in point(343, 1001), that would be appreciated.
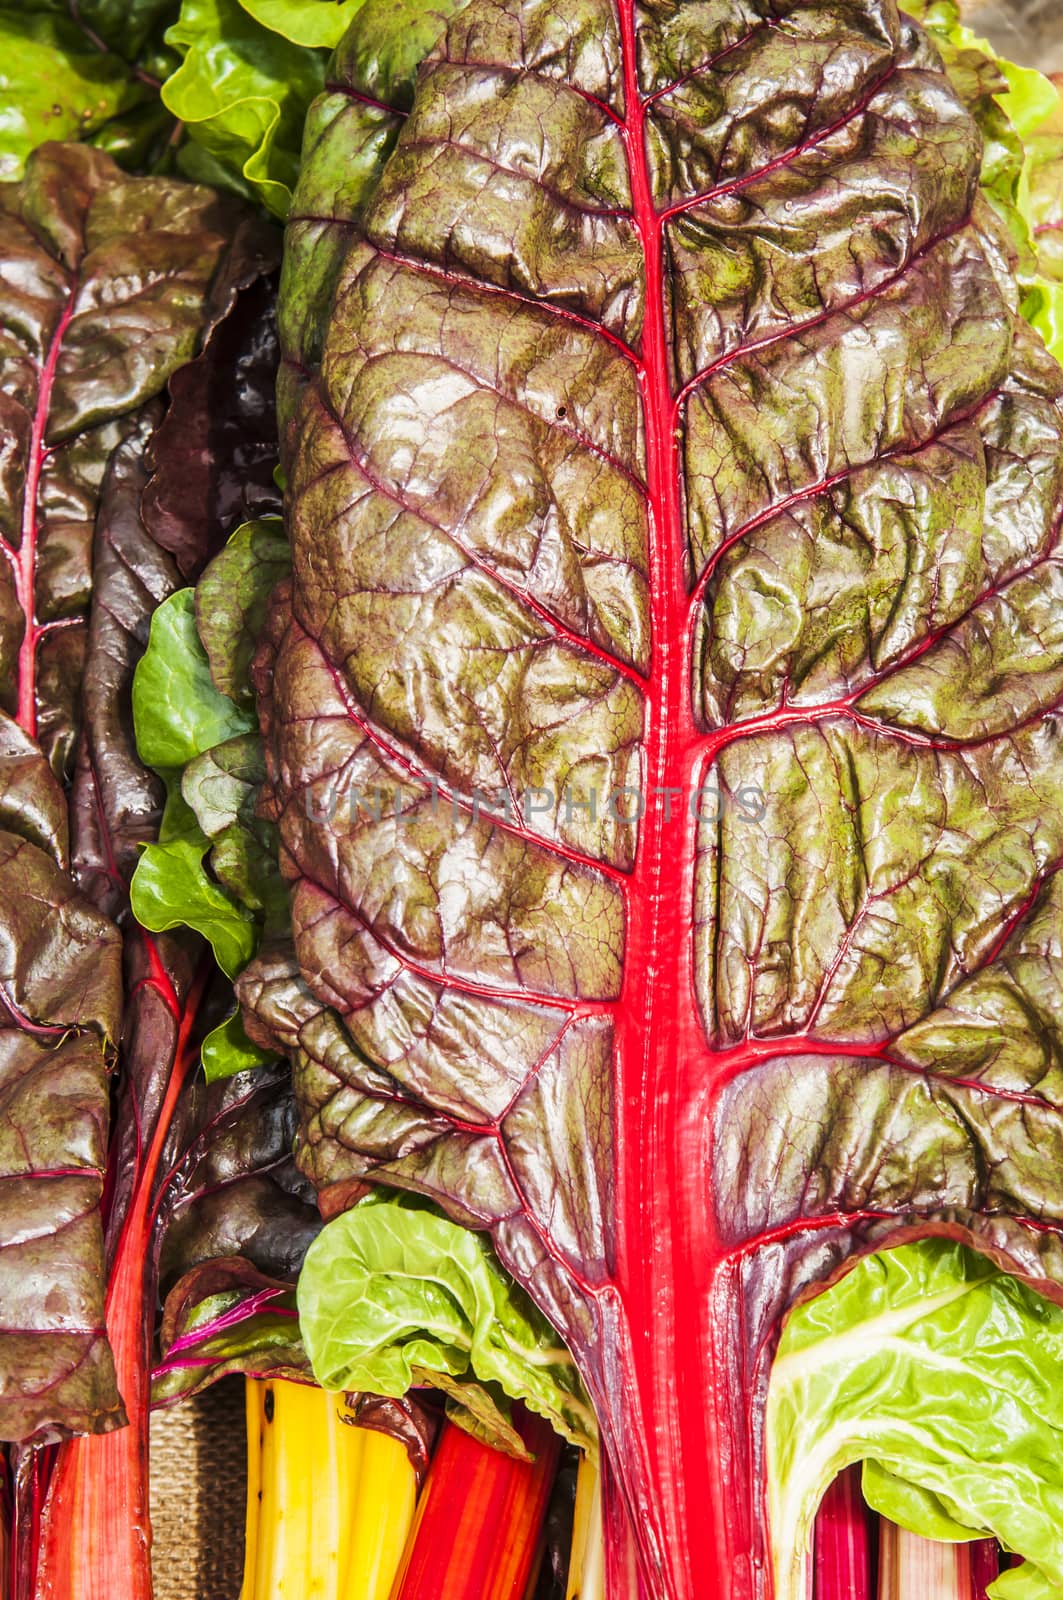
point(60, 1015)
point(95, 1526)
point(108, 284)
point(943, 1374)
point(1014, 109)
point(393, 1296)
point(664, 420)
point(216, 448)
point(235, 1220)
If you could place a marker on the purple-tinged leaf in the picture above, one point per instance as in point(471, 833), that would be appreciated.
point(60, 1015)
point(226, 1317)
point(216, 450)
point(109, 281)
point(671, 440)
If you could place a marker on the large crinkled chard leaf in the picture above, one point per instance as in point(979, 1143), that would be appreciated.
point(675, 433)
point(60, 1015)
point(108, 287)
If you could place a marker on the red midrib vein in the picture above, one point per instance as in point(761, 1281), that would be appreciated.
point(26, 555)
point(662, 1274)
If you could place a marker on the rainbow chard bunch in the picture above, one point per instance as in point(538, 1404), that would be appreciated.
point(562, 914)
point(661, 730)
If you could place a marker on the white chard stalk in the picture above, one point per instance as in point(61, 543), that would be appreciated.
point(913, 1568)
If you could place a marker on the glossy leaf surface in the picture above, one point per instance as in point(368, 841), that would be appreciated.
point(108, 284)
point(242, 91)
point(670, 443)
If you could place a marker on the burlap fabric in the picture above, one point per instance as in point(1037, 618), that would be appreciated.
point(198, 1485)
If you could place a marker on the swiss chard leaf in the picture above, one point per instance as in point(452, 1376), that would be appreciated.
point(319, 25)
point(109, 285)
point(391, 1296)
point(179, 715)
point(1013, 107)
point(242, 92)
point(350, 131)
point(662, 717)
point(222, 1318)
point(235, 1223)
point(215, 451)
point(172, 889)
point(97, 1495)
point(943, 1374)
point(176, 708)
point(231, 601)
point(60, 1016)
point(214, 866)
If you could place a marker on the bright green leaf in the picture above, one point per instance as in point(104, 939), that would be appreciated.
point(946, 1374)
point(171, 889)
point(227, 1050)
point(231, 601)
point(54, 84)
point(177, 711)
point(392, 1295)
point(242, 92)
point(318, 23)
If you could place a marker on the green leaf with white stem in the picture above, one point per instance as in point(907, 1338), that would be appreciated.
point(944, 1375)
point(393, 1294)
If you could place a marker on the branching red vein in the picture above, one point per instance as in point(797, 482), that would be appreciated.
point(562, 631)
point(796, 330)
point(458, 802)
point(823, 485)
point(764, 25)
point(442, 978)
point(548, 308)
point(788, 157)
